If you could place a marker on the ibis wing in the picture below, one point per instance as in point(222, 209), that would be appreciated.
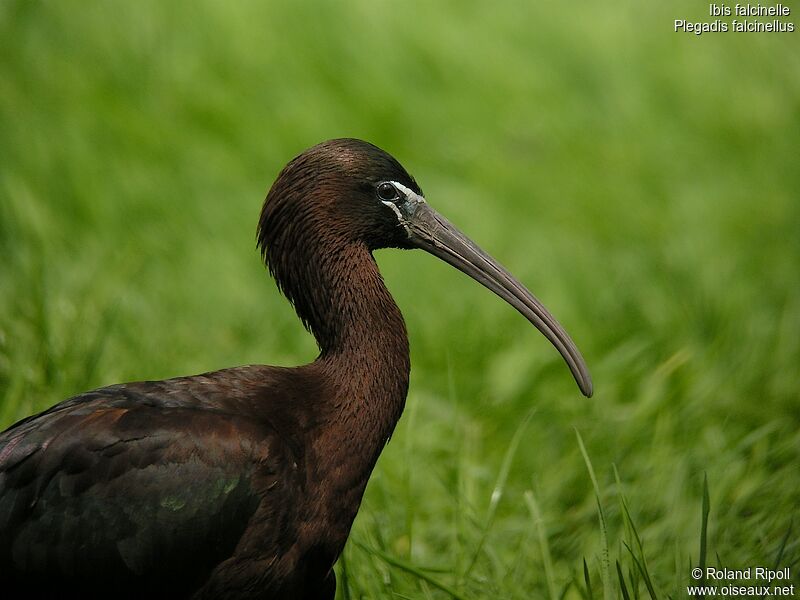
point(125, 487)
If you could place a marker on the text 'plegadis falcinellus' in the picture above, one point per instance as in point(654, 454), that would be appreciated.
point(244, 482)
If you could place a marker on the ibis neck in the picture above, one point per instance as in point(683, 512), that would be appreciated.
point(364, 361)
point(366, 337)
point(363, 371)
point(363, 343)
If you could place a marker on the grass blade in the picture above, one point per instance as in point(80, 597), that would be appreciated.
point(412, 570)
point(344, 577)
point(587, 580)
point(533, 507)
point(499, 488)
point(782, 547)
point(604, 559)
point(633, 533)
point(704, 530)
point(622, 585)
point(643, 571)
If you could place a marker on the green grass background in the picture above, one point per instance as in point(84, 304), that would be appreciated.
point(643, 183)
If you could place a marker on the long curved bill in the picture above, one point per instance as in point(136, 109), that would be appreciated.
point(431, 232)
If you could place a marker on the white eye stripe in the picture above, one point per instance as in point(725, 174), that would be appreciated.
point(409, 194)
point(396, 210)
point(409, 202)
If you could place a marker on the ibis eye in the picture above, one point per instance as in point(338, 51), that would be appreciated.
point(387, 192)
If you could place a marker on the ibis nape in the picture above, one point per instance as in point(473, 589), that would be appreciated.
point(244, 482)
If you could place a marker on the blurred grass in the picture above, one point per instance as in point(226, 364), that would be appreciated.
point(643, 183)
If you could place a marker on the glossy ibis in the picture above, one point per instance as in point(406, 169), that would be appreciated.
point(244, 482)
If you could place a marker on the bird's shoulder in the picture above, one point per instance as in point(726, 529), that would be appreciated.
point(257, 401)
point(231, 418)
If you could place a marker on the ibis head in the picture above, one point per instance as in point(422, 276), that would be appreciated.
point(346, 193)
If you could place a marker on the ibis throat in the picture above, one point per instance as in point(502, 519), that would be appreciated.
point(339, 295)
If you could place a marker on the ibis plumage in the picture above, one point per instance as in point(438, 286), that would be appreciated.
point(244, 482)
